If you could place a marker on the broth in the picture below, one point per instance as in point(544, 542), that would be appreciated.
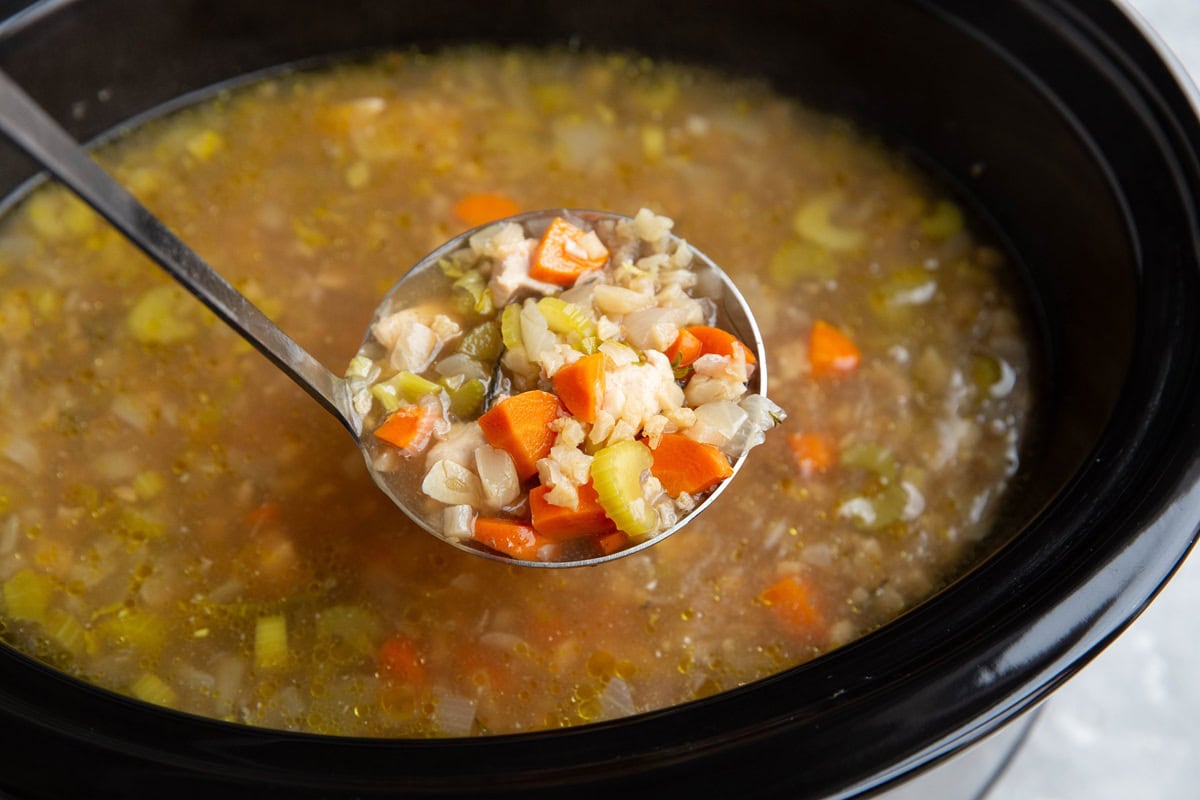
point(179, 523)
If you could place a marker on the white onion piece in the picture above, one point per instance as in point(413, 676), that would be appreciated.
point(653, 328)
point(616, 700)
point(619, 300)
point(535, 333)
point(454, 714)
point(458, 522)
point(497, 476)
point(461, 364)
point(22, 451)
point(501, 640)
point(452, 484)
point(761, 416)
point(717, 422)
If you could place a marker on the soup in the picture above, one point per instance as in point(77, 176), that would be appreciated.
point(182, 525)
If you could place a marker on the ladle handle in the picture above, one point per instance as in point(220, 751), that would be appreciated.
point(33, 130)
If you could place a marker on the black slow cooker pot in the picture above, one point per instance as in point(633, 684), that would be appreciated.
point(1056, 118)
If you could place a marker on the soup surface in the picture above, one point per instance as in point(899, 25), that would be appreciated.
point(180, 523)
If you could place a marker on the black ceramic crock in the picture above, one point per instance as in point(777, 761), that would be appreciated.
point(1056, 119)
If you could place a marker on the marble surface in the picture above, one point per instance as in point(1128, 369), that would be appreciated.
point(1128, 726)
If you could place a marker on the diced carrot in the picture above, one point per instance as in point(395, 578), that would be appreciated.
point(814, 452)
point(480, 208)
point(520, 426)
point(790, 602)
point(580, 386)
point(566, 252)
point(685, 465)
point(558, 523)
point(267, 514)
point(831, 352)
point(685, 349)
point(714, 341)
point(509, 537)
point(613, 542)
point(400, 660)
point(408, 428)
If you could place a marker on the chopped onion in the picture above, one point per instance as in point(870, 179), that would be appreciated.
point(462, 364)
point(761, 416)
point(22, 451)
point(619, 300)
point(717, 422)
point(454, 714)
point(616, 700)
point(535, 333)
point(452, 484)
point(458, 522)
point(653, 328)
point(497, 476)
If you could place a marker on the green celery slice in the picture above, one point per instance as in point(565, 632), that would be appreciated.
point(617, 477)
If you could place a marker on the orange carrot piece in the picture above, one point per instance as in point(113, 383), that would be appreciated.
point(814, 452)
point(714, 341)
point(614, 542)
point(685, 465)
point(520, 425)
point(686, 348)
point(266, 515)
point(580, 386)
point(509, 537)
point(559, 524)
point(564, 253)
point(792, 605)
point(831, 352)
point(399, 660)
point(408, 428)
point(480, 208)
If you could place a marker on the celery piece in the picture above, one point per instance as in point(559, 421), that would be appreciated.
point(413, 387)
point(483, 342)
point(871, 457)
point(466, 398)
point(359, 367)
point(148, 483)
point(163, 315)
point(205, 144)
point(403, 387)
point(878, 511)
point(553, 98)
point(474, 285)
point(270, 642)
point(152, 689)
point(66, 631)
point(617, 477)
point(986, 372)
point(510, 326)
point(813, 223)
point(910, 286)
point(387, 396)
point(356, 627)
point(943, 222)
point(654, 142)
point(26, 595)
point(796, 260)
point(141, 631)
point(566, 318)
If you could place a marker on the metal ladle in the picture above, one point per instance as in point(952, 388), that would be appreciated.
point(24, 122)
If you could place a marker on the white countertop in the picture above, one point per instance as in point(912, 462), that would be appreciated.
point(1128, 726)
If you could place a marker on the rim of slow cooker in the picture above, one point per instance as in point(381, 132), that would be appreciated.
point(1131, 511)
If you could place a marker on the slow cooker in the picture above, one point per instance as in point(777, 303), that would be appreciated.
point(1064, 127)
